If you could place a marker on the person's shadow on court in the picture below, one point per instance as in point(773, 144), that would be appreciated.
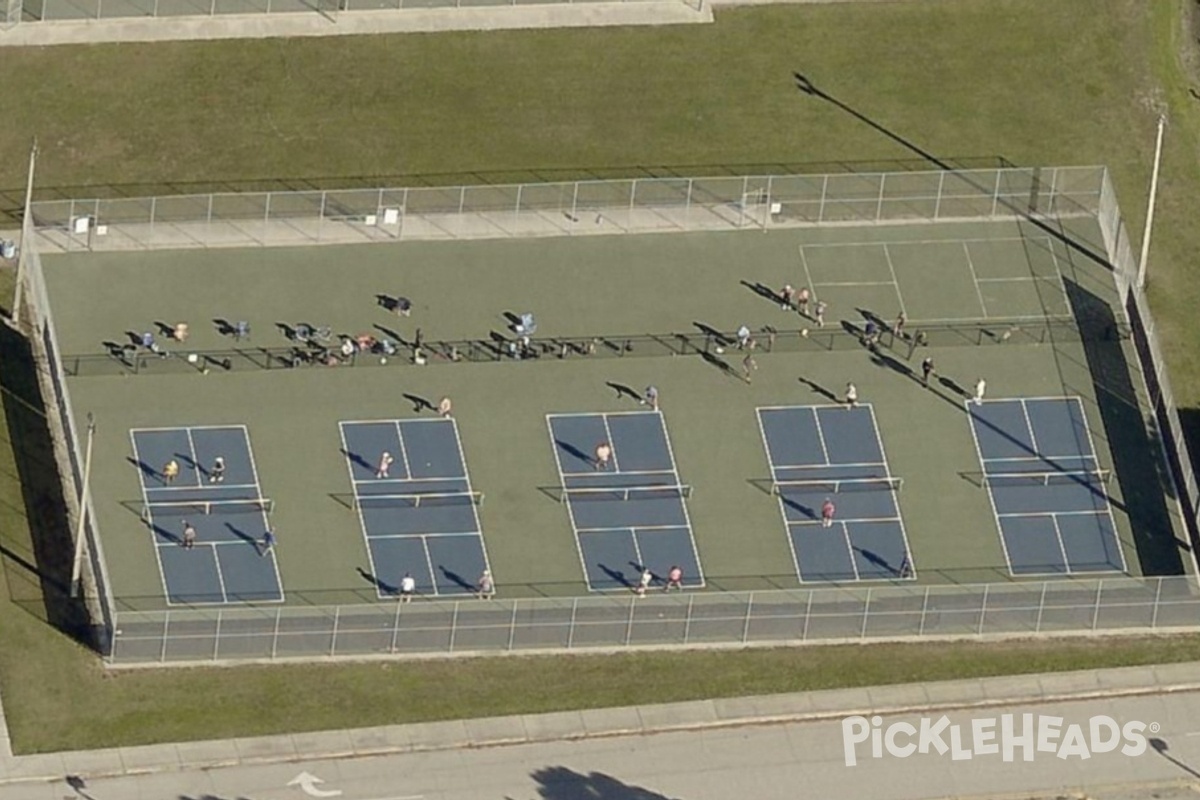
point(624, 391)
point(878, 561)
point(147, 470)
point(383, 587)
point(456, 579)
point(819, 389)
point(720, 364)
point(574, 451)
point(617, 575)
point(949, 385)
point(763, 291)
point(419, 403)
point(245, 537)
point(163, 533)
point(883, 360)
point(357, 459)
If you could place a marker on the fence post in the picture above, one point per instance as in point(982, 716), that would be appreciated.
point(1157, 599)
point(208, 221)
point(162, 653)
point(517, 209)
point(862, 632)
point(403, 213)
point(571, 629)
point(275, 636)
point(632, 201)
point(629, 624)
point(395, 627)
point(824, 193)
point(217, 636)
point(770, 200)
point(924, 608)
point(454, 626)
point(687, 205)
point(807, 616)
point(937, 205)
point(1096, 607)
point(996, 192)
point(266, 212)
point(337, 618)
point(512, 626)
point(1037, 628)
point(153, 207)
point(749, 611)
point(879, 205)
point(983, 609)
point(687, 621)
point(575, 204)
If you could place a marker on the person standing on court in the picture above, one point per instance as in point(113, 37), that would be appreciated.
point(408, 587)
point(898, 326)
point(445, 408)
point(385, 464)
point(650, 397)
point(644, 582)
point(189, 536)
point(828, 509)
point(802, 298)
point(748, 366)
point(604, 454)
point(980, 388)
point(674, 579)
point(486, 588)
point(927, 370)
point(787, 297)
point(170, 471)
point(743, 337)
point(820, 315)
point(851, 396)
point(217, 473)
point(267, 543)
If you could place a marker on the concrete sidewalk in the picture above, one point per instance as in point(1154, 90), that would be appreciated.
point(350, 23)
point(598, 723)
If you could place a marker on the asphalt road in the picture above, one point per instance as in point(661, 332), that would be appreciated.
point(784, 762)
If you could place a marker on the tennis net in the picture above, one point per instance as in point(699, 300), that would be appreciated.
point(1091, 477)
point(623, 494)
point(256, 505)
point(426, 500)
point(836, 486)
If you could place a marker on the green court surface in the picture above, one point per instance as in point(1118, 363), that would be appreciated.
point(1003, 278)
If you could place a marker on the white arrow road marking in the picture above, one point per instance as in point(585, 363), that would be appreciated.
point(308, 784)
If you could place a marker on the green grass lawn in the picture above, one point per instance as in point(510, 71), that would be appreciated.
point(1069, 82)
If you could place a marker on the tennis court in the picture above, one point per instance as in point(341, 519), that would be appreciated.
point(229, 561)
point(1046, 485)
point(418, 516)
point(697, 498)
point(630, 515)
point(833, 454)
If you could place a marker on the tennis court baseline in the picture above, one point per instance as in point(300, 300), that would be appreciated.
point(1047, 489)
point(227, 563)
point(631, 515)
point(834, 453)
point(419, 516)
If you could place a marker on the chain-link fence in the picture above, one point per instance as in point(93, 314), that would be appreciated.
point(565, 209)
point(664, 620)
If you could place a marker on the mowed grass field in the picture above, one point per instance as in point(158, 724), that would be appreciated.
point(1075, 81)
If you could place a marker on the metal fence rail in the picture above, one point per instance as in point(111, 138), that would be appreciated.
point(565, 209)
point(130, 359)
point(662, 620)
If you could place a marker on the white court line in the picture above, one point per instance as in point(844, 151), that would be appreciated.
point(266, 521)
point(1008, 280)
point(1062, 547)
point(608, 437)
point(594, 474)
point(403, 450)
point(423, 535)
point(174, 487)
point(812, 287)
point(220, 575)
point(362, 523)
point(195, 457)
point(821, 437)
point(562, 478)
point(972, 420)
point(908, 555)
point(150, 518)
point(860, 283)
point(357, 481)
point(687, 518)
point(827, 466)
point(975, 280)
point(599, 413)
point(900, 242)
point(895, 281)
point(462, 459)
point(635, 529)
point(762, 432)
point(1087, 430)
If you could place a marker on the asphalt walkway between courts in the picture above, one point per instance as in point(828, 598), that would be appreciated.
point(566, 726)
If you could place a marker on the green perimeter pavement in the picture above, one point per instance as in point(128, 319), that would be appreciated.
point(595, 286)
